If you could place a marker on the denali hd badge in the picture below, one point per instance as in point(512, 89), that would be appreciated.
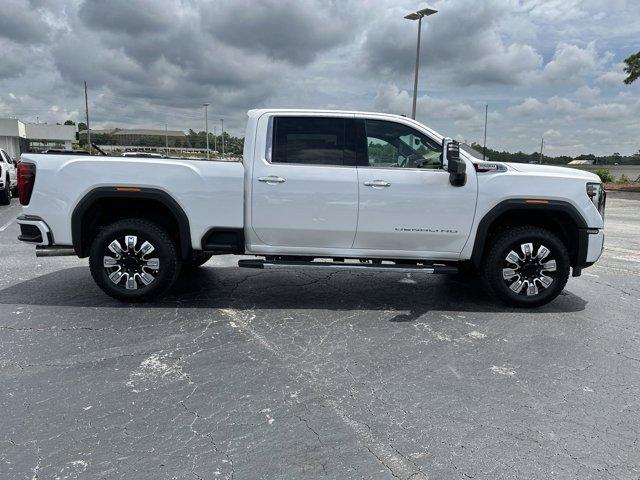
point(426, 230)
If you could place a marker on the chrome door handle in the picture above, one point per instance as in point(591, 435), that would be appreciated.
point(377, 183)
point(271, 179)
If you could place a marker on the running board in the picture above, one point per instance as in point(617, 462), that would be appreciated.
point(434, 268)
point(54, 251)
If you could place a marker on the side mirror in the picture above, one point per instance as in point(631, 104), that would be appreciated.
point(452, 162)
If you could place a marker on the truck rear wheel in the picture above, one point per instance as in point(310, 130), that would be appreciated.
point(134, 260)
point(526, 267)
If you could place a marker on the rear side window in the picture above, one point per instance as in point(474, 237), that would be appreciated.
point(312, 141)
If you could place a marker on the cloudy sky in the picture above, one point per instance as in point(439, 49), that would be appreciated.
point(549, 68)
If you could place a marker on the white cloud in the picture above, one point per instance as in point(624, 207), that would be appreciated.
point(562, 105)
point(612, 79)
point(393, 100)
point(530, 106)
point(609, 112)
point(587, 93)
point(570, 62)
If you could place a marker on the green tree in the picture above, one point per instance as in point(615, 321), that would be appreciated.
point(604, 174)
point(69, 122)
point(632, 68)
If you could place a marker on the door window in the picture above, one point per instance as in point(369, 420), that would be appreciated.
point(312, 141)
point(394, 145)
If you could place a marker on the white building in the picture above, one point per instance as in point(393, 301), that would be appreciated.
point(17, 137)
point(13, 136)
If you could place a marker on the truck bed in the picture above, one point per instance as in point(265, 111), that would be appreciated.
point(209, 192)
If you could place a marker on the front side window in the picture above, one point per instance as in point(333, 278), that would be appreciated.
point(394, 145)
point(310, 141)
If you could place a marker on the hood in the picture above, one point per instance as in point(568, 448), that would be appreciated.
point(554, 170)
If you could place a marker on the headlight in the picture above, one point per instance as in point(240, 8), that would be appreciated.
point(598, 195)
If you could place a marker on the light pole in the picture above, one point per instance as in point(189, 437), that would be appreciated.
point(86, 107)
point(206, 126)
point(425, 12)
point(222, 121)
point(484, 145)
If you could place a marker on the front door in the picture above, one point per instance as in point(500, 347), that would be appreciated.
point(406, 200)
point(306, 193)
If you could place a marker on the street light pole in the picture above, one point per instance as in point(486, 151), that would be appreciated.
point(206, 126)
point(415, 78)
point(484, 146)
point(425, 12)
point(222, 121)
point(86, 107)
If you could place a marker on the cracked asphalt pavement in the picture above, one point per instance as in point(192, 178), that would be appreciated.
point(251, 374)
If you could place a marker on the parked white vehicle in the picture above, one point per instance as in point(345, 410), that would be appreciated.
point(318, 189)
point(8, 179)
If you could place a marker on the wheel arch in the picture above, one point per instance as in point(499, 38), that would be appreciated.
point(557, 216)
point(127, 202)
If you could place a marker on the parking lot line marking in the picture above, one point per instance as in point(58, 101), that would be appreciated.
point(6, 225)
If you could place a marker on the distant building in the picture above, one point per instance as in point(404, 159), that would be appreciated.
point(17, 137)
point(136, 136)
point(581, 162)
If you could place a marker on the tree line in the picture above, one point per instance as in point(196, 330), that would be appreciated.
point(534, 157)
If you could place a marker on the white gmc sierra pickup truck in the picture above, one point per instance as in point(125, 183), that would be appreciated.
point(318, 189)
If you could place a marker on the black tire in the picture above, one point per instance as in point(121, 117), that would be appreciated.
point(501, 276)
point(197, 260)
point(133, 262)
point(5, 193)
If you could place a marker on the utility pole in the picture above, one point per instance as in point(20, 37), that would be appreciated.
point(484, 147)
point(206, 126)
point(541, 145)
point(86, 108)
point(215, 139)
point(222, 121)
point(166, 139)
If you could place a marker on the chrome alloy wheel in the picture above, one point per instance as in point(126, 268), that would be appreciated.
point(130, 266)
point(529, 273)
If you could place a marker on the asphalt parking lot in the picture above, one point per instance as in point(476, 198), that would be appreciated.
point(293, 374)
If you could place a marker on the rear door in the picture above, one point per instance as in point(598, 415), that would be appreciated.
point(406, 200)
point(305, 185)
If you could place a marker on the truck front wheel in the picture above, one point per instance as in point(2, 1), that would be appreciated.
point(526, 266)
point(134, 260)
